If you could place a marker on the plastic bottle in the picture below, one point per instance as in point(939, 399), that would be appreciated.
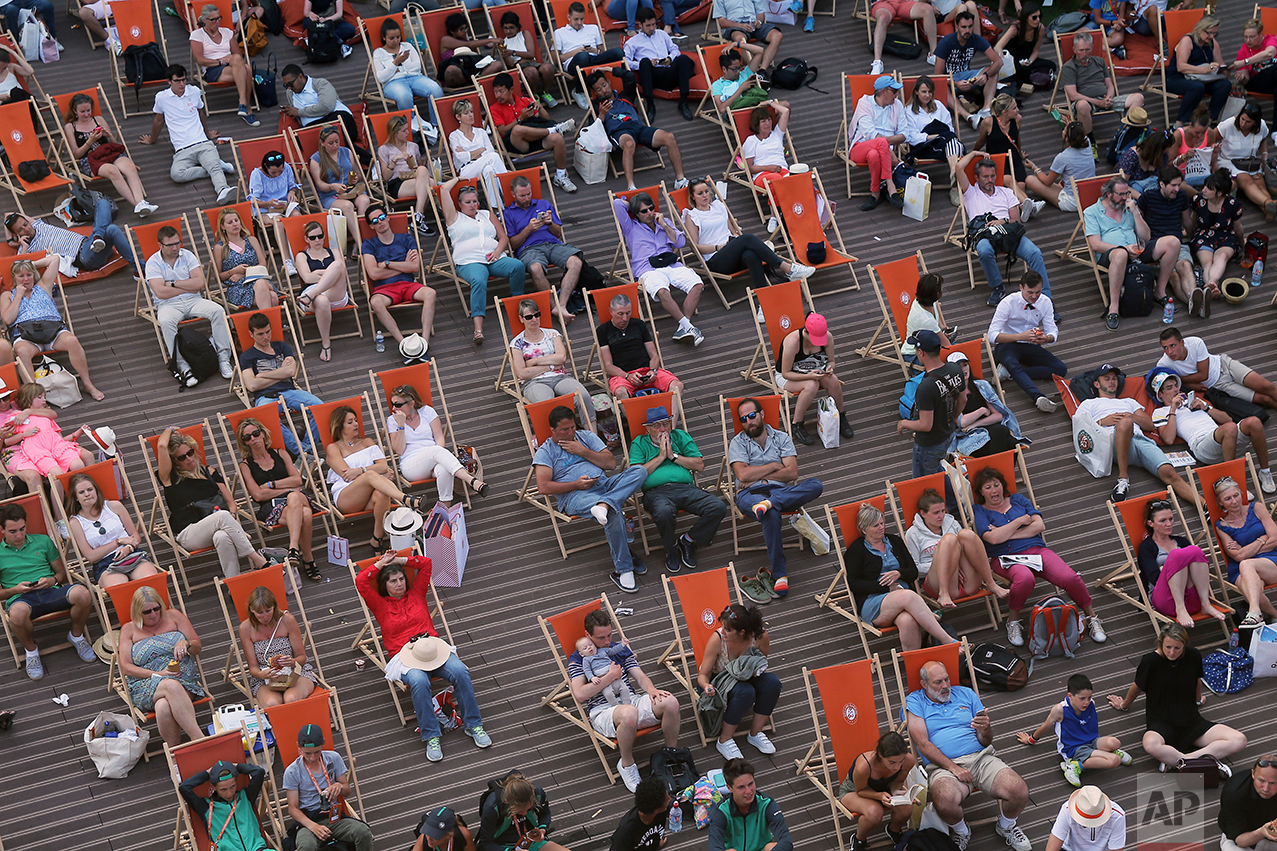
point(380, 340)
point(1233, 640)
point(675, 823)
point(1257, 273)
point(1168, 312)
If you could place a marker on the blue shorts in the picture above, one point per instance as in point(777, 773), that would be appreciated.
point(1147, 454)
point(643, 135)
point(759, 34)
point(46, 600)
point(870, 609)
point(1083, 752)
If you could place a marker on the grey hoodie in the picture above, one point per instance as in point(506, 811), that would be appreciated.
point(922, 542)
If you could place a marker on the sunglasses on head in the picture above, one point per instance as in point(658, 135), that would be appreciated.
point(750, 416)
point(11, 220)
point(1266, 763)
point(1159, 505)
point(274, 159)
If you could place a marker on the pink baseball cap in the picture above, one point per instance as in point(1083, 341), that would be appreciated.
point(817, 329)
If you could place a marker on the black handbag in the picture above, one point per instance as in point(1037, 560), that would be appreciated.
point(264, 82)
point(42, 332)
point(33, 171)
point(665, 258)
point(207, 506)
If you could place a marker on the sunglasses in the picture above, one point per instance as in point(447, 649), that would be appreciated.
point(536, 315)
point(183, 456)
point(11, 220)
point(376, 220)
point(214, 18)
point(151, 611)
point(275, 160)
point(645, 210)
point(1159, 505)
point(97, 524)
point(1266, 763)
point(171, 244)
point(311, 236)
point(406, 403)
point(251, 435)
point(752, 415)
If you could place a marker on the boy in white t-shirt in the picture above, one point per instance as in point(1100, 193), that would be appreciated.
point(580, 46)
point(1127, 420)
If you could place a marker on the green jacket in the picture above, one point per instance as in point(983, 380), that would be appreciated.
point(763, 823)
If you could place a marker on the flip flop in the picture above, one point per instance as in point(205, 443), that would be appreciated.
point(478, 338)
point(325, 354)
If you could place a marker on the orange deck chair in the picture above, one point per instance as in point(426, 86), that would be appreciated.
point(895, 284)
point(793, 202)
point(1172, 25)
point(295, 243)
point(191, 758)
point(1242, 471)
point(784, 307)
point(512, 325)
point(135, 26)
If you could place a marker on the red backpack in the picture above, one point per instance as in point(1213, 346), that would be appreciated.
point(1055, 628)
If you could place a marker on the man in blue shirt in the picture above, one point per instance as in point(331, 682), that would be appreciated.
point(626, 129)
point(950, 728)
point(391, 263)
point(953, 56)
point(570, 466)
point(536, 235)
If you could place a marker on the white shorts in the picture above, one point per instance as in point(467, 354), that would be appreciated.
point(1232, 375)
point(1207, 450)
point(602, 721)
point(315, 289)
point(1068, 203)
point(679, 277)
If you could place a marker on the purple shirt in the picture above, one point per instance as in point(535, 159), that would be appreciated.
point(656, 46)
point(517, 218)
point(643, 242)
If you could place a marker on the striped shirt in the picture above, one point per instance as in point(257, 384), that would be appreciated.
point(54, 239)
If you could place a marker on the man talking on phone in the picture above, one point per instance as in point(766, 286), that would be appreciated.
point(571, 467)
point(950, 728)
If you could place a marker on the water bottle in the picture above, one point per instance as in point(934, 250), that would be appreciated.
point(1168, 312)
point(629, 529)
point(1233, 640)
point(380, 340)
point(1256, 273)
point(675, 823)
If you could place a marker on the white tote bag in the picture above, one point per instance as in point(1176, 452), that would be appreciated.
point(31, 35)
point(1263, 649)
point(828, 422)
point(917, 197)
point(115, 756)
point(337, 233)
point(1092, 446)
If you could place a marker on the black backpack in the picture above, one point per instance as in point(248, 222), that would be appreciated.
point(322, 45)
point(999, 667)
point(926, 839)
point(793, 73)
point(1124, 138)
point(1137, 290)
point(1083, 386)
point(675, 768)
point(199, 354)
point(905, 48)
point(144, 63)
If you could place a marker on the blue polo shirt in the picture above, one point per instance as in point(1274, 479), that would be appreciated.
point(517, 218)
point(949, 724)
point(566, 467)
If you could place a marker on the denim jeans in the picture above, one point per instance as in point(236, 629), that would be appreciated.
point(44, 10)
point(477, 274)
point(293, 400)
point(761, 694)
point(627, 9)
point(1027, 363)
point(458, 675)
point(403, 89)
point(926, 459)
point(665, 501)
point(88, 259)
point(783, 498)
point(1027, 251)
point(613, 492)
point(671, 9)
point(1192, 92)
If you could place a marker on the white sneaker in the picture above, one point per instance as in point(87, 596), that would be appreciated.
point(681, 183)
point(960, 839)
point(761, 742)
point(565, 127)
point(290, 267)
point(760, 317)
point(581, 100)
point(630, 776)
point(773, 225)
point(35, 667)
point(1045, 405)
point(729, 749)
point(430, 132)
point(227, 167)
point(1015, 633)
point(224, 364)
point(875, 67)
point(83, 647)
point(1004, 373)
point(1266, 481)
point(975, 120)
point(1098, 635)
point(1015, 838)
point(697, 337)
point(63, 531)
point(563, 182)
point(798, 270)
point(98, 244)
point(346, 50)
point(228, 194)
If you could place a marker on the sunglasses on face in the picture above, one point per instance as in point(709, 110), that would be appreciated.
point(183, 456)
point(645, 210)
point(752, 415)
point(251, 435)
point(406, 403)
point(312, 236)
point(171, 244)
point(378, 219)
point(536, 315)
point(151, 611)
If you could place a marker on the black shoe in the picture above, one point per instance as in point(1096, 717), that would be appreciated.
point(650, 105)
point(640, 567)
point(799, 432)
point(951, 333)
point(875, 198)
point(688, 112)
point(687, 553)
point(896, 199)
point(844, 426)
point(672, 563)
point(995, 296)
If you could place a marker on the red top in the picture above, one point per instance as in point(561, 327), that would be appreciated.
point(403, 618)
point(508, 113)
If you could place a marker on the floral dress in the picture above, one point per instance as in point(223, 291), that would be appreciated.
point(1216, 230)
point(154, 653)
point(240, 292)
point(274, 646)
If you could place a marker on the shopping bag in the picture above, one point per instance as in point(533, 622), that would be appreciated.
point(445, 541)
point(591, 165)
point(827, 422)
point(1236, 100)
point(1263, 649)
point(778, 12)
point(61, 387)
point(594, 138)
point(31, 35)
point(918, 197)
point(1092, 446)
point(337, 232)
point(114, 756)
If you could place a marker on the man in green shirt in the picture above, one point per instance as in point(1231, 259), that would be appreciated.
point(34, 583)
point(672, 460)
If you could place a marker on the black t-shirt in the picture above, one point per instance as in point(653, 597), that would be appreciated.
point(181, 495)
point(1241, 810)
point(939, 393)
point(632, 835)
point(1170, 688)
point(628, 345)
point(1163, 215)
point(254, 360)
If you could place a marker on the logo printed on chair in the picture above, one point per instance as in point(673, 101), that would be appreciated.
point(135, 31)
point(785, 321)
point(905, 299)
point(707, 617)
point(850, 713)
point(797, 209)
point(16, 136)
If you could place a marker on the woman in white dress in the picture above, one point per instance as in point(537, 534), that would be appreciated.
point(359, 477)
point(1243, 149)
point(472, 152)
point(416, 436)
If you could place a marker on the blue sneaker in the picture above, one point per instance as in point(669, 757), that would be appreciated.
point(796, 7)
point(809, 25)
point(480, 736)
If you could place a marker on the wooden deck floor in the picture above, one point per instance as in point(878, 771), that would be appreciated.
point(515, 571)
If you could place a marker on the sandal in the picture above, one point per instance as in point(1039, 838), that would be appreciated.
point(478, 338)
point(325, 353)
point(311, 571)
point(305, 301)
point(481, 488)
point(416, 503)
point(379, 545)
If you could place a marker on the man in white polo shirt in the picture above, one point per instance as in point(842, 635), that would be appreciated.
point(194, 152)
point(1088, 821)
point(176, 280)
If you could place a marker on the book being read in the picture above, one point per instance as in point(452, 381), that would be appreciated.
point(907, 797)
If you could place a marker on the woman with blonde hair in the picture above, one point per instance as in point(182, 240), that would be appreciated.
point(156, 653)
point(340, 182)
point(1249, 538)
point(199, 504)
point(404, 171)
point(278, 489)
point(1197, 69)
point(105, 534)
point(516, 818)
point(234, 251)
point(84, 133)
point(472, 152)
point(359, 477)
point(28, 310)
point(416, 436)
point(274, 650)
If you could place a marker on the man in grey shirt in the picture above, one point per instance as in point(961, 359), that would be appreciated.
point(1089, 86)
point(765, 465)
point(316, 784)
